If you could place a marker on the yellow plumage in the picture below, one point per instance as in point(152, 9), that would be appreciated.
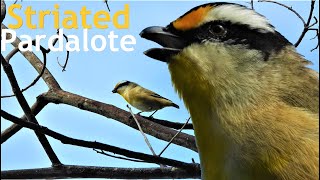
point(253, 102)
point(142, 98)
point(241, 120)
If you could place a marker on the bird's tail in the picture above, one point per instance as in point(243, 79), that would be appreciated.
point(175, 105)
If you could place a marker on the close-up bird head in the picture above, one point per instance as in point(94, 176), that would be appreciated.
point(122, 86)
point(228, 26)
point(240, 79)
point(227, 46)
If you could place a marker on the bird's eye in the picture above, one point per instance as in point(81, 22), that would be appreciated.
point(218, 30)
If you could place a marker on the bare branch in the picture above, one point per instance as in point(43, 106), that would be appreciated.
point(3, 10)
point(314, 23)
point(97, 145)
point(290, 9)
point(117, 157)
point(47, 77)
point(67, 58)
point(169, 124)
point(110, 111)
point(174, 137)
point(316, 36)
point(13, 52)
point(251, 2)
point(306, 25)
point(106, 1)
point(27, 111)
point(36, 63)
point(310, 13)
point(66, 171)
point(35, 109)
point(15, 2)
point(141, 131)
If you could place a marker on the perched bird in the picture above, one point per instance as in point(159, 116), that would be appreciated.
point(142, 98)
point(253, 102)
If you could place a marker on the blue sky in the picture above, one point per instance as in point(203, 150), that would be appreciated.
point(94, 74)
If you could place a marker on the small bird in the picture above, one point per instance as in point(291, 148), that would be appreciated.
point(253, 102)
point(142, 98)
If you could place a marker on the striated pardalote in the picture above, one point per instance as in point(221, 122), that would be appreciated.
point(253, 102)
point(142, 98)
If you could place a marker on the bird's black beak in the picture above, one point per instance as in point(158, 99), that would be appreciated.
point(114, 90)
point(172, 43)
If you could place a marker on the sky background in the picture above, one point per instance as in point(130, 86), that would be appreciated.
point(94, 74)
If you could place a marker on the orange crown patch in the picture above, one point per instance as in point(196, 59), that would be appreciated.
point(192, 19)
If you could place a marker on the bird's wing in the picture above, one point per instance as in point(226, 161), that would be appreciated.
point(155, 95)
point(158, 96)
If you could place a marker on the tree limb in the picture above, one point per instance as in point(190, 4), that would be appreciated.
point(110, 111)
point(35, 109)
point(66, 171)
point(27, 111)
point(97, 145)
point(3, 10)
point(117, 157)
point(170, 124)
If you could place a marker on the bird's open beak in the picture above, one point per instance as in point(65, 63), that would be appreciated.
point(172, 43)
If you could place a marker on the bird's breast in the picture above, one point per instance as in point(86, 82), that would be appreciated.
point(141, 101)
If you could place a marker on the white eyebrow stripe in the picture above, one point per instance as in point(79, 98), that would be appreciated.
point(239, 15)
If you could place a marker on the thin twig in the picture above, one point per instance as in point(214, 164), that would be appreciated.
point(36, 63)
point(316, 36)
point(170, 124)
point(44, 52)
point(13, 52)
point(290, 8)
point(252, 5)
point(314, 23)
point(106, 1)
point(15, 2)
point(143, 134)
point(117, 157)
point(306, 24)
point(141, 131)
point(67, 58)
point(174, 137)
